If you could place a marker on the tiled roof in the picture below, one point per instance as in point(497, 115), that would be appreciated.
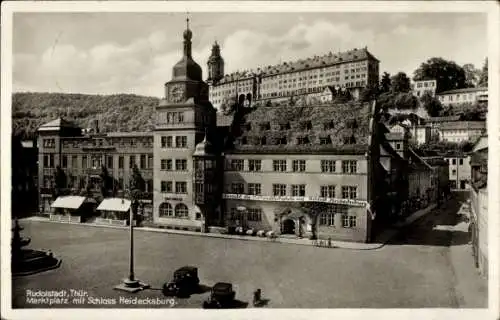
point(57, 124)
point(303, 64)
point(443, 119)
point(345, 125)
point(463, 125)
point(464, 90)
point(391, 136)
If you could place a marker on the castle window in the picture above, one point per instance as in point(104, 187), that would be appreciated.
point(302, 140)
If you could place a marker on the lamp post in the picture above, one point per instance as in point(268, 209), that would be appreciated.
point(131, 284)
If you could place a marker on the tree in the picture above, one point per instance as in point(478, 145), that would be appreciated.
point(483, 76)
point(137, 186)
point(60, 181)
point(313, 210)
point(397, 100)
point(400, 83)
point(106, 181)
point(471, 75)
point(431, 104)
point(369, 93)
point(385, 83)
point(448, 74)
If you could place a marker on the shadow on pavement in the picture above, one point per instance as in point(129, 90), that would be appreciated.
point(435, 229)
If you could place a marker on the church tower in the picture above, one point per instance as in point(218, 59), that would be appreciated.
point(182, 118)
point(215, 65)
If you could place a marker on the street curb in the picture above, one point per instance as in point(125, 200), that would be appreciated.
point(391, 232)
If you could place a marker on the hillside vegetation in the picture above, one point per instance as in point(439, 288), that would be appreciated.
point(119, 112)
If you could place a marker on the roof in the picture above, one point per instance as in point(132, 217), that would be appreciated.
point(223, 120)
point(443, 119)
point(129, 134)
point(345, 125)
point(464, 90)
point(391, 136)
point(114, 204)
point(481, 143)
point(69, 202)
point(467, 125)
point(56, 125)
point(303, 64)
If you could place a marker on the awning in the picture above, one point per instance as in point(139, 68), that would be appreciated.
point(114, 204)
point(68, 202)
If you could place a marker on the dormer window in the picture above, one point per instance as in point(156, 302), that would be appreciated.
point(282, 141)
point(302, 140)
point(328, 125)
point(349, 140)
point(306, 125)
point(325, 140)
point(284, 126)
point(265, 126)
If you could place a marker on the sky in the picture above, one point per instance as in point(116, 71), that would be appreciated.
point(109, 53)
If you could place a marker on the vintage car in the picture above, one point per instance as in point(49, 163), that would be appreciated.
point(185, 282)
point(221, 296)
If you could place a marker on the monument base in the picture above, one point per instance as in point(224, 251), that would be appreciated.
point(132, 286)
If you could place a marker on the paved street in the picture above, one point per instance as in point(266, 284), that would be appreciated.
point(427, 266)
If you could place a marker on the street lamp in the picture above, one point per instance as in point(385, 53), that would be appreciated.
point(131, 284)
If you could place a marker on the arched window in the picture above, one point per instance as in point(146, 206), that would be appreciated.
point(166, 210)
point(181, 211)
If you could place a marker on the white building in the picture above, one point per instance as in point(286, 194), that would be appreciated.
point(467, 95)
point(461, 130)
point(420, 87)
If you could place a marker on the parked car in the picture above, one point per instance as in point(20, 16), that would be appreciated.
point(221, 296)
point(185, 281)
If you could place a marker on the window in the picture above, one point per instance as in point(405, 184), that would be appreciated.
point(279, 190)
point(254, 214)
point(165, 210)
point(84, 162)
point(180, 117)
point(453, 172)
point(120, 183)
point(349, 166)
point(166, 164)
point(120, 162)
point(298, 190)
point(237, 164)
point(254, 189)
point(64, 161)
point(299, 165)
point(279, 165)
point(49, 143)
point(180, 142)
point(237, 188)
point(282, 141)
point(180, 187)
point(181, 164)
point(143, 161)
point(109, 162)
point(348, 221)
point(328, 191)
point(302, 140)
point(327, 165)
point(181, 211)
point(131, 162)
point(327, 219)
point(349, 192)
point(254, 165)
point(74, 161)
point(150, 161)
point(163, 142)
point(461, 162)
point(265, 126)
point(454, 161)
point(149, 185)
point(169, 141)
point(398, 146)
point(166, 186)
point(284, 126)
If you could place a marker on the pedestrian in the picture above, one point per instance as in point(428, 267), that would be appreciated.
point(257, 297)
point(329, 242)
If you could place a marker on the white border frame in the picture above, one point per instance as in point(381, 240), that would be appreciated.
point(492, 8)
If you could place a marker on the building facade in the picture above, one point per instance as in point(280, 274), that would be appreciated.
point(82, 158)
point(479, 205)
point(352, 70)
point(461, 131)
point(460, 171)
point(419, 88)
point(460, 96)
